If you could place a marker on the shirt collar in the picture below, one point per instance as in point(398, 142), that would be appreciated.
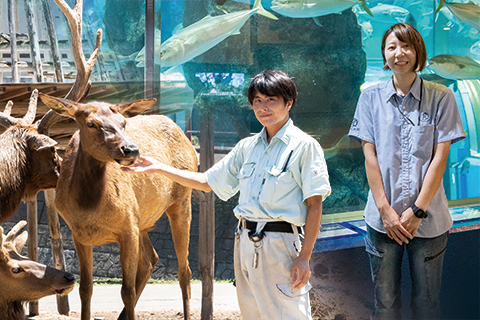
point(282, 134)
point(415, 90)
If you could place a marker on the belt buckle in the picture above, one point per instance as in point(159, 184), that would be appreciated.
point(254, 236)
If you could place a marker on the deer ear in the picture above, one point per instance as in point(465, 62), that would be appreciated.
point(133, 108)
point(39, 142)
point(61, 106)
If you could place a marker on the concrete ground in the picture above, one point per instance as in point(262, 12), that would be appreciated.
point(154, 297)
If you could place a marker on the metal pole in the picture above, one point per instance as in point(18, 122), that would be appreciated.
point(12, 7)
point(47, 13)
point(149, 48)
point(34, 46)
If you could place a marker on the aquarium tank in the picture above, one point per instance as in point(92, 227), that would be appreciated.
point(202, 55)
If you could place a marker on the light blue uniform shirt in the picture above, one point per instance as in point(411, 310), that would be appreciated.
point(404, 132)
point(273, 184)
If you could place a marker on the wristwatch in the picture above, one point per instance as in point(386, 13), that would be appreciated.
point(418, 212)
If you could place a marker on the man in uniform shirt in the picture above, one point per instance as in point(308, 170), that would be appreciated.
point(282, 178)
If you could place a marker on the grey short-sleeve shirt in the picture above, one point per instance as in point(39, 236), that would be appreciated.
point(404, 131)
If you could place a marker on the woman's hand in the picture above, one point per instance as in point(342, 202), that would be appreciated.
point(393, 226)
point(410, 221)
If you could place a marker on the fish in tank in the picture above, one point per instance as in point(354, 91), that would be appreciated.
point(332, 49)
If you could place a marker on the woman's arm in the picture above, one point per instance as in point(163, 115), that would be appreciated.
point(430, 185)
point(195, 180)
point(391, 220)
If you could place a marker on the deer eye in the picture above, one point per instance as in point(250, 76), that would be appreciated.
point(91, 125)
point(17, 270)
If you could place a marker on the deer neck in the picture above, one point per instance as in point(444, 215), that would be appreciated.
point(88, 178)
point(13, 160)
point(13, 310)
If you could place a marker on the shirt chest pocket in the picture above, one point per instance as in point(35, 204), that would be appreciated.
point(245, 177)
point(246, 171)
point(278, 186)
point(423, 138)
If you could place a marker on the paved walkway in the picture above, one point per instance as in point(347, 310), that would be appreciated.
point(154, 297)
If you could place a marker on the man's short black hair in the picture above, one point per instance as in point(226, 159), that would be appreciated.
point(273, 83)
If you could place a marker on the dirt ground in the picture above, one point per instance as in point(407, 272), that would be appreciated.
point(224, 314)
point(158, 301)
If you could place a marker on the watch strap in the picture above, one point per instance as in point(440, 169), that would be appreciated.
point(418, 212)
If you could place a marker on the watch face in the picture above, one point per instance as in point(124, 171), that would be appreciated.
point(419, 213)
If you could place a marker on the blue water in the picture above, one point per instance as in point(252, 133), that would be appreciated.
point(443, 34)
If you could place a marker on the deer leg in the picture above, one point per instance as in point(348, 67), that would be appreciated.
point(147, 260)
point(129, 245)
point(85, 258)
point(180, 215)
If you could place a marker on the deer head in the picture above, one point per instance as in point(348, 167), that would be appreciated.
point(102, 126)
point(24, 280)
point(28, 160)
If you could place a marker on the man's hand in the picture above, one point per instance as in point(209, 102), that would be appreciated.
point(410, 222)
point(300, 273)
point(393, 226)
point(143, 165)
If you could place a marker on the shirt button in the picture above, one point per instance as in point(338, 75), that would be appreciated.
point(404, 145)
point(404, 204)
point(403, 107)
point(405, 185)
point(404, 165)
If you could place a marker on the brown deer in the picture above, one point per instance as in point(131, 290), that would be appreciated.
point(28, 160)
point(101, 204)
point(22, 171)
point(23, 280)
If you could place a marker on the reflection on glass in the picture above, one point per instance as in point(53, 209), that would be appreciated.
point(331, 49)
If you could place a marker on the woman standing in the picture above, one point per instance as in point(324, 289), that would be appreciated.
point(406, 126)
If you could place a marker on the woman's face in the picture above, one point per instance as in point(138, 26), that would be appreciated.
point(400, 56)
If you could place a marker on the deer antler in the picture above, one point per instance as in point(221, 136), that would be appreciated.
point(11, 235)
point(7, 121)
point(82, 85)
point(8, 108)
point(32, 108)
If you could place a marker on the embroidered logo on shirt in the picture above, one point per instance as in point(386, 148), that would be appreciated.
point(354, 122)
point(424, 117)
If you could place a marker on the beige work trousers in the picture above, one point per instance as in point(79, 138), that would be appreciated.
point(266, 292)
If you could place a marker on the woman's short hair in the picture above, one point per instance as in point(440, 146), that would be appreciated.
point(408, 34)
point(273, 83)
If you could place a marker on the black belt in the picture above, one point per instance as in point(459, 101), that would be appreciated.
point(275, 226)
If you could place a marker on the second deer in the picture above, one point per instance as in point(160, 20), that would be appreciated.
point(24, 280)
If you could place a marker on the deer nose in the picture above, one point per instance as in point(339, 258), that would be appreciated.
point(130, 151)
point(70, 277)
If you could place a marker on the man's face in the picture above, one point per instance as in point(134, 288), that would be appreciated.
point(271, 111)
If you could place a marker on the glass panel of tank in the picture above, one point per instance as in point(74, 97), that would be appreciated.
point(332, 48)
point(206, 52)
